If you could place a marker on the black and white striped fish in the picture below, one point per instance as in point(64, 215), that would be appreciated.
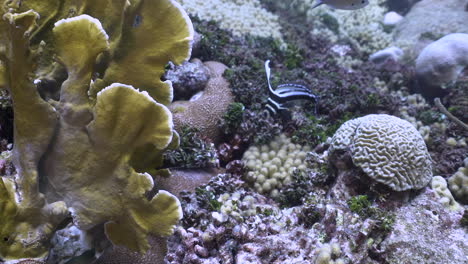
point(284, 93)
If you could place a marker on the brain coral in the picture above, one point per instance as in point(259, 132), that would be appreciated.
point(203, 112)
point(388, 149)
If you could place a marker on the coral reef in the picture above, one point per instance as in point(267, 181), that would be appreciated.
point(307, 215)
point(340, 180)
point(388, 149)
point(80, 156)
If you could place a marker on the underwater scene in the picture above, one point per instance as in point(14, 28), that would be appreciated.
point(234, 132)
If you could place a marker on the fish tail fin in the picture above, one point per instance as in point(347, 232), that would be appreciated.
point(319, 3)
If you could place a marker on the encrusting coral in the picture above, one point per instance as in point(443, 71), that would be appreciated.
point(82, 155)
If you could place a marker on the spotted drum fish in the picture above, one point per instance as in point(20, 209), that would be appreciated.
point(284, 93)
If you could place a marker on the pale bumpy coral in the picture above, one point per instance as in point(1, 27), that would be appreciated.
point(271, 166)
point(235, 206)
point(439, 185)
point(418, 102)
point(328, 253)
point(362, 28)
point(458, 183)
point(241, 16)
point(388, 149)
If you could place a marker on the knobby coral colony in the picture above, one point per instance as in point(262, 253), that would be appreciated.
point(284, 93)
point(85, 156)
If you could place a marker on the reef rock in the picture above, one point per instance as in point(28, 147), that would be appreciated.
point(188, 79)
point(429, 20)
point(442, 61)
point(401, 6)
point(426, 232)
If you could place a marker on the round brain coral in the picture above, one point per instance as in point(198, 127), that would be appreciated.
point(388, 149)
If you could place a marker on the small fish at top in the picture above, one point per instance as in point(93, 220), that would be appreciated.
point(343, 4)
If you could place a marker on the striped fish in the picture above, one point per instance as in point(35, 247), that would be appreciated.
point(285, 93)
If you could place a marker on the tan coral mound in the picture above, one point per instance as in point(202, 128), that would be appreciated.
point(204, 112)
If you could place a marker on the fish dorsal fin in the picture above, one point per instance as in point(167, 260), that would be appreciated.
point(319, 3)
point(267, 71)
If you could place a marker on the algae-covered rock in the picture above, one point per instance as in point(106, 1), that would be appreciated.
point(188, 79)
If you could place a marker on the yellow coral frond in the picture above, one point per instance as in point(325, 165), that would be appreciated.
point(157, 217)
point(153, 33)
point(126, 119)
point(79, 40)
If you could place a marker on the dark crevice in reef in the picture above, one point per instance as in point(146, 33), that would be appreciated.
point(6, 124)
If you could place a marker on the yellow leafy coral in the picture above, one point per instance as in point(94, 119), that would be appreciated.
point(76, 155)
point(18, 224)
